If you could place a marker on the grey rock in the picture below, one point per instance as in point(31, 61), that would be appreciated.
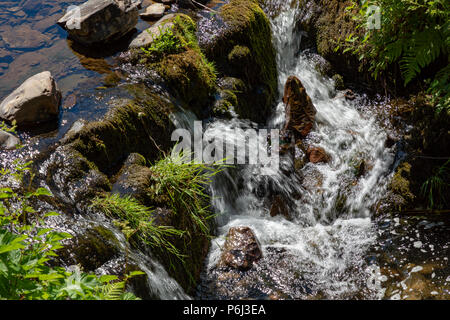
point(36, 100)
point(101, 21)
point(8, 141)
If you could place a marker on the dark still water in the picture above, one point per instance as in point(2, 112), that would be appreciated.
point(31, 42)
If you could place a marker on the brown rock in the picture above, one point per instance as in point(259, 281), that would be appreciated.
point(300, 111)
point(279, 207)
point(317, 154)
point(241, 249)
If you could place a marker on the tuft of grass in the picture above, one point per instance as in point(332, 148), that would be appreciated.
point(185, 182)
point(138, 220)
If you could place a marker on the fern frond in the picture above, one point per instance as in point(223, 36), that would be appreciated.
point(425, 48)
point(113, 291)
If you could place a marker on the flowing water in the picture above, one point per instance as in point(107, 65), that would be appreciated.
point(325, 250)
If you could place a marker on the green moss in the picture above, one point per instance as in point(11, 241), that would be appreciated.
point(185, 71)
point(338, 82)
point(400, 184)
point(248, 45)
point(328, 24)
point(189, 75)
point(141, 125)
point(239, 55)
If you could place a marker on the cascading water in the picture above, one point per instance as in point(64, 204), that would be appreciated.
point(321, 251)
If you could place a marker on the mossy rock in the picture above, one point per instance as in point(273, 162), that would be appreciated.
point(328, 24)
point(193, 245)
point(72, 178)
point(400, 184)
point(244, 50)
point(190, 77)
point(91, 248)
point(139, 125)
point(226, 101)
point(180, 64)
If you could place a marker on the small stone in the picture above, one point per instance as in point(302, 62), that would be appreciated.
point(279, 207)
point(8, 141)
point(155, 11)
point(317, 154)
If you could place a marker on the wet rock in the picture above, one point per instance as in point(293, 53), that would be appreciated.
point(225, 102)
point(349, 95)
point(300, 111)
point(133, 179)
point(8, 141)
point(155, 11)
point(326, 23)
point(101, 21)
point(146, 37)
point(90, 248)
point(36, 100)
point(279, 207)
point(72, 178)
point(76, 127)
point(241, 249)
point(317, 155)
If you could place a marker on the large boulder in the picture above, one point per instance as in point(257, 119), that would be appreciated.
point(36, 100)
point(8, 141)
point(239, 41)
point(300, 111)
point(241, 249)
point(101, 21)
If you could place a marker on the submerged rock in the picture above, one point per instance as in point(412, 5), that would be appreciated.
point(8, 141)
point(300, 111)
point(241, 249)
point(36, 100)
point(101, 21)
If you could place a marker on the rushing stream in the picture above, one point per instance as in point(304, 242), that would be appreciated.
point(322, 252)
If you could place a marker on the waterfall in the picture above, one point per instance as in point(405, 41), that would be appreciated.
point(325, 247)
